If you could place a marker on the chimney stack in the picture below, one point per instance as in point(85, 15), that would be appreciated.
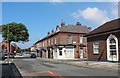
point(78, 24)
point(57, 28)
point(90, 28)
point(62, 23)
point(52, 31)
point(48, 33)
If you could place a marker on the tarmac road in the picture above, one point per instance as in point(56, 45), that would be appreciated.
point(39, 67)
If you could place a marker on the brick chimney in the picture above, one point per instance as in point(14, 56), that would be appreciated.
point(90, 28)
point(52, 31)
point(62, 23)
point(78, 24)
point(57, 28)
point(48, 33)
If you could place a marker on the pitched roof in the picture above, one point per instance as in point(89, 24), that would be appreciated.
point(74, 29)
point(70, 29)
point(108, 26)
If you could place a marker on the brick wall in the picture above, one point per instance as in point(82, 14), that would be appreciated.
point(62, 39)
point(101, 39)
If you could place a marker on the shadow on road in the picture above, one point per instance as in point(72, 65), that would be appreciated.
point(10, 71)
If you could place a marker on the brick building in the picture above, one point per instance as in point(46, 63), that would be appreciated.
point(67, 42)
point(104, 42)
point(13, 47)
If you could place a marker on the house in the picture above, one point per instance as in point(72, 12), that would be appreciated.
point(104, 42)
point(13, 47)
point(67, 42)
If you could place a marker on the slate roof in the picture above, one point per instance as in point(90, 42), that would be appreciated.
point(107, 27)
point(70, 29)
point(74, 29)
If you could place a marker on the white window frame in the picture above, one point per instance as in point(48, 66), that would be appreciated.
point(43, 44)
point(49, 41)
point(69, 39)
point(55, 40)
point(81, 40)
point(94, 47)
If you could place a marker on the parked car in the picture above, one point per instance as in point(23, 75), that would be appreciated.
point(12, 55)
point(32, 55)
point(19, 54)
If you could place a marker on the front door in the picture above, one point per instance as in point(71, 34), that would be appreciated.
point(48, 53)
point(112, 48)
point(60, 52)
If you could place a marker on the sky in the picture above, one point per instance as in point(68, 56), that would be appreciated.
point(42, 17)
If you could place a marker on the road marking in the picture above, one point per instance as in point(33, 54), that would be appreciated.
point(56, 75)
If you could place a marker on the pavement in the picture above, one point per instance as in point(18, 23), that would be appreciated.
point(9, 70)
point(113, 66)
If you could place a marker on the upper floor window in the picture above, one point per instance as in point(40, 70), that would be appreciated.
point(43, 44)
point(55, 40)
point(48, 41)
point(51, 40)
point(96, 48)
point(81, 40)
point(69, 39)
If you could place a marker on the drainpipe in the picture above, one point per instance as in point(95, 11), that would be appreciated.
point(87, 53)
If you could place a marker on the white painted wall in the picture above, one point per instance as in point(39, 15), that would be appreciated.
point(55, 55)
point(63, 56)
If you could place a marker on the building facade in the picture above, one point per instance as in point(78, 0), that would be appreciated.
point(104, 42)
point(67, 42)
point(13, 47)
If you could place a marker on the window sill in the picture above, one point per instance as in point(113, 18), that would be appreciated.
point(95, 53)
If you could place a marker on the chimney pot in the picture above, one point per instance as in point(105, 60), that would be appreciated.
point(89, 28)
point(48, 33)
point(62, 23)
point(57, 28)
point(78, 24)
point(52, 31)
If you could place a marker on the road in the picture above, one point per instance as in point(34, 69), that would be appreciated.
point(39, 67)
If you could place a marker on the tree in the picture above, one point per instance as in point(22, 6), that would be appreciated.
point(15, 32)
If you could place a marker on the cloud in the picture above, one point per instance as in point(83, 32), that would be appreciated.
point(114, 10)
point(56, 0)
point(93, 15)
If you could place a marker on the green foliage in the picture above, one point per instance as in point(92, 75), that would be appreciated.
point(18, 51)
point(16, 32)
